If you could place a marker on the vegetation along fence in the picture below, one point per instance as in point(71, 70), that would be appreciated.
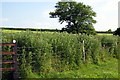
point(40, 54)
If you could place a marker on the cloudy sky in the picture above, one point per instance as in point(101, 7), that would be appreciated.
point(35, 14)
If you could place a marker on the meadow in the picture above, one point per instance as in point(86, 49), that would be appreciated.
point(60, 55)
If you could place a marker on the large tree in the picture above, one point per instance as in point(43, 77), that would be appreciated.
point(78, 16)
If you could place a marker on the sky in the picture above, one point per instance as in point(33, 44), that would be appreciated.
point(35, 14)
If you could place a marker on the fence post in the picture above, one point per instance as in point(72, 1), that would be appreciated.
point(83, 51)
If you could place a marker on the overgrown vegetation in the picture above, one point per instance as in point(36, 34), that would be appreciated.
point(43, 54)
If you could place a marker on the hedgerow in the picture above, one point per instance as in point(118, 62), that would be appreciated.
point(45, 53)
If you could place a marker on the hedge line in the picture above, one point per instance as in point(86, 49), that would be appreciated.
point(45, 53)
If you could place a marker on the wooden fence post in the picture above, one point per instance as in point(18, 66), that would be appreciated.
point(83, 51)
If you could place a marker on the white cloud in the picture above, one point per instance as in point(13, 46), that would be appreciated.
point(110, 5)
point(107, 16)
point(3, 19)
point(105, 22)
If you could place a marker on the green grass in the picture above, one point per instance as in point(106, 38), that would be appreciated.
point(104, 34)
point(107, 69)
point(11, 31)
point(15, 31)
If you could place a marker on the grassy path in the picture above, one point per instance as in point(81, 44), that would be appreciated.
point(107, 69)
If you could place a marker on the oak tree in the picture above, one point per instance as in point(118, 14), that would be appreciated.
point(78, 16)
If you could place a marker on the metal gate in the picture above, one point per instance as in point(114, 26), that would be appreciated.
point(13, 62)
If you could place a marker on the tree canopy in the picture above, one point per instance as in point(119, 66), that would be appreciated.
point(78, 16)
point(109, 30)
point(117, 32)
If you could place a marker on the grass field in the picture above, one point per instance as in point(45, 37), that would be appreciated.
point(13, 31)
